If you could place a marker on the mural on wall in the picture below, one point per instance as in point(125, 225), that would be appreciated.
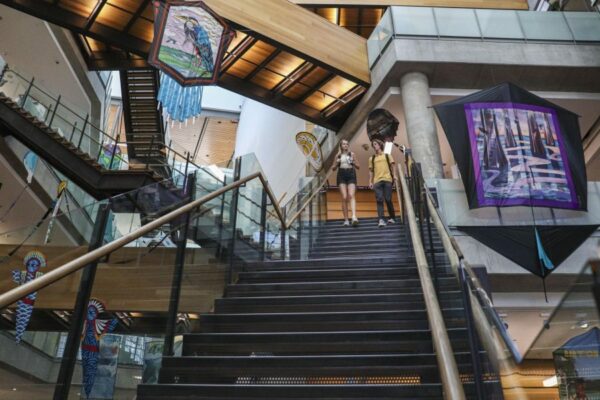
point(189, 43)
point(33, 262)
point(310, 147)
point(93, 330)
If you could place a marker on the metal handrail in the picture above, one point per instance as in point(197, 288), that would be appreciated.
point(458, 261)
point(72, 266)
point(450, 377)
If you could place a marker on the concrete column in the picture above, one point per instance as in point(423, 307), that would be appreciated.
point(420, 124)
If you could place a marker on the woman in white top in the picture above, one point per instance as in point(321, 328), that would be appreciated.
point(347, 164)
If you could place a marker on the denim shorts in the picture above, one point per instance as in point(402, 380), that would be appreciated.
point(346, 176)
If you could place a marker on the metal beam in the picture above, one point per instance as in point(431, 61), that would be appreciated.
point(317, 87)
point(238, 52)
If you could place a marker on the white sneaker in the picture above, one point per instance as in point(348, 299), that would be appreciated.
point(354, 221)
point(346, 223)
point(391, 221)
point(381, 223)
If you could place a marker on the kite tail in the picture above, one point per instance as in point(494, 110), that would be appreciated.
point(90, 367)
point(24, 312)
point(544, 259)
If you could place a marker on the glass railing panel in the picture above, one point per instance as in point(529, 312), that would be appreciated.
point(499, 24)
point(414, 21)
point(26, 254)
point(380, 37)
point(535, 26)
point(568, 345)
point(585, 26)
point(456, 22)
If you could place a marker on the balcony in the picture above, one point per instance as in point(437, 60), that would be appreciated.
point(482, 25)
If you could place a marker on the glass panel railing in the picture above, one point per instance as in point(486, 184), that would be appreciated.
point(456, 22)
point(482, 24)
point(499, 24)
point(61, 120)
point(535, 26)
point(568, 346)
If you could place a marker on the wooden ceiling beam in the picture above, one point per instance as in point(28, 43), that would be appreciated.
point(263, 64)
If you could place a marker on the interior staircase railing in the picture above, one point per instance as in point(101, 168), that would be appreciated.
point(54, 113)
point(489, 328)
point(449, 375)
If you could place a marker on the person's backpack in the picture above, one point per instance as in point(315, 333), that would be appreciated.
point(387, 158)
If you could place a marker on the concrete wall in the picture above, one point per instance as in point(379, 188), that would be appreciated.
point(36, 48)
point(270, 135)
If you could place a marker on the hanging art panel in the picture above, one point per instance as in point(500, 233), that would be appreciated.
point(516, 149)
point(189, 42)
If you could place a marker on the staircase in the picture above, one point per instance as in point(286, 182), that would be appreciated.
point(349, 323)
point(143, 119)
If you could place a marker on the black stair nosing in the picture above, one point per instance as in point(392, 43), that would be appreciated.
point(351, 283)
point(290, 392)
point(330, 314)
point(208, 338)
point(325, 297)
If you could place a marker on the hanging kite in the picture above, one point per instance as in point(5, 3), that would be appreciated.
point(310, 147)
point(60, 193)
point(93, 329)
point(33, 262)
point(188, 46)
point(514, 148)
point(382, 125)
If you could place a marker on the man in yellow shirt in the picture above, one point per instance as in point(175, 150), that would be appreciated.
point(381, 176)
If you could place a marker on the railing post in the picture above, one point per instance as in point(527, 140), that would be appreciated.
point(73, 132)
point(65, 374)
point(24, 98)
point(282, 234)
point(310, 226)
point(221, 219)
point(473, 342)
point(263, 224)
point(178, 275)
point(233, 219)
point(54, 111)
point(85, 122)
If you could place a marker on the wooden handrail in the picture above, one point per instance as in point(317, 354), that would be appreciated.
point(452, 386)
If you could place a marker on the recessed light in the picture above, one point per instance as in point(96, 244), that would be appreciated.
point(550, 382)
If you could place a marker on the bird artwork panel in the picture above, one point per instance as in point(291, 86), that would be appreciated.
point(190, 40)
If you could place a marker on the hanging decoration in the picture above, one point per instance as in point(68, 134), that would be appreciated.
point(382, 125)
point(33, 262)
point(189, 42)
point(539, 249)
point(516, 149)
point(310, 147)
point(93, 329)
point(60, 191)
point(30, 161)
point(577, 364)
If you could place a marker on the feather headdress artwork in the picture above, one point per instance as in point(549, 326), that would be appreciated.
point(33, 262)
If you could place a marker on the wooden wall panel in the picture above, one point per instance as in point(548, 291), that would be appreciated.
point(129, 282)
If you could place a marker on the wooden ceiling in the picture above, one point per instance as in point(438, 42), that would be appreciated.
point(116, 34)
